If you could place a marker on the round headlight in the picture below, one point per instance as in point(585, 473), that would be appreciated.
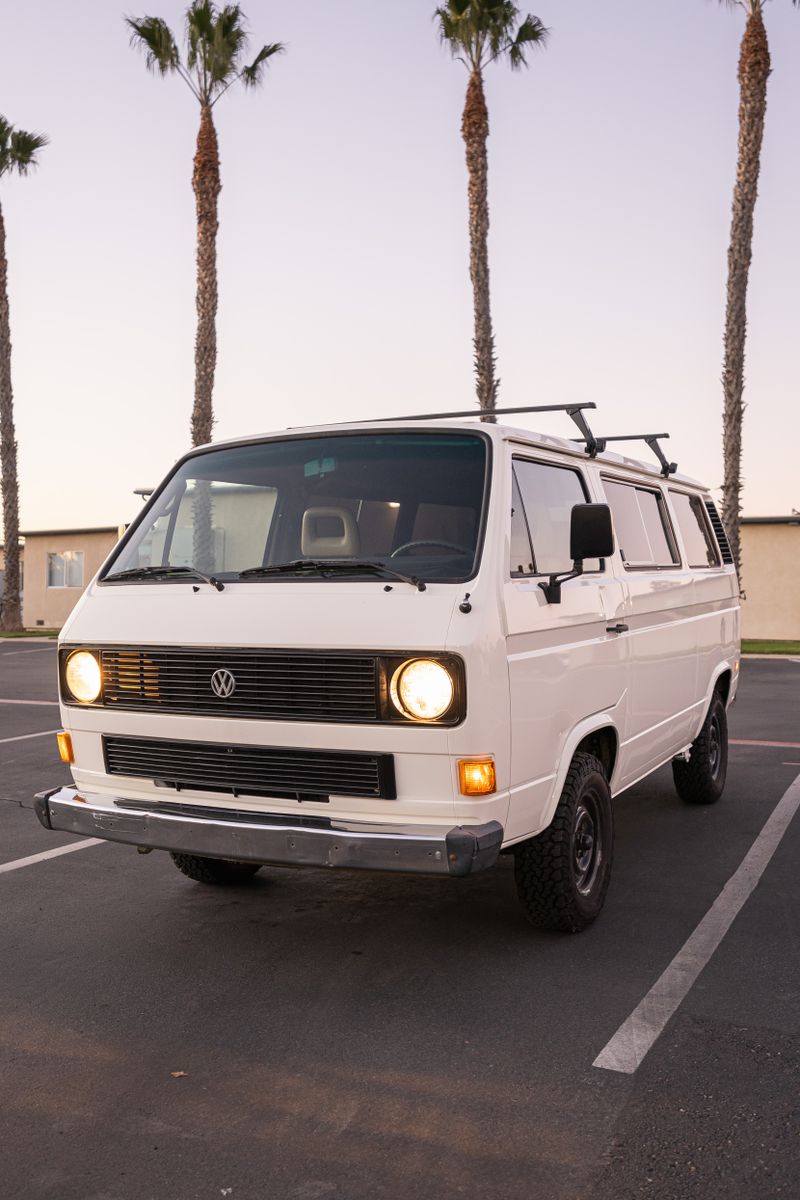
point(82, 676)
point(422, 689)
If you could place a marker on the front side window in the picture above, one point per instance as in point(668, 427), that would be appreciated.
point(640, 525)
point(701, 548)
point(409, 502)
point(548, 495)
point(65, 569)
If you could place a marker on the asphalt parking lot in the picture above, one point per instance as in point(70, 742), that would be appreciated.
point(361, 1037)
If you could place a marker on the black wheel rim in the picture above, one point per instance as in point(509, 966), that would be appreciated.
point(714, 747)
point(587, 843)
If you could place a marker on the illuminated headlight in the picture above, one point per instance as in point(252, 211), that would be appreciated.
point(422, 689)
point(82, 676)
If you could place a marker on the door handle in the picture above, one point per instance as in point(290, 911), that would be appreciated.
point(617, 628)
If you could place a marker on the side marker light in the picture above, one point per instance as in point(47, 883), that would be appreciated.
point(65, 747)
point(476, 777)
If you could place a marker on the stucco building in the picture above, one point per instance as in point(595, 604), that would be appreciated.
point(58, 565)
point(771, 577)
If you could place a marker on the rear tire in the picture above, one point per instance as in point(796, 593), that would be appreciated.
point(701, 779)
point(215, 870)
point(562, 874)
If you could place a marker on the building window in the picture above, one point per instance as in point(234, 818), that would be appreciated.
point(65, 569)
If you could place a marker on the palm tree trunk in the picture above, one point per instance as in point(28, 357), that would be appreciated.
point(475, 131)
point(11, 618)
point(207, 186)
point(754, 68)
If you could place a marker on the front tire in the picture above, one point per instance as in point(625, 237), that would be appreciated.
point(217, 871)
point(562, 874)
point(701, 778)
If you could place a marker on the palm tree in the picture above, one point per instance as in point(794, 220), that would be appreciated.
point(18, 151)
point(754, 68)
point(478, 33)
point(216, 41)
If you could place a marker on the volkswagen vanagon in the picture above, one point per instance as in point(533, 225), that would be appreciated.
point(405, 645)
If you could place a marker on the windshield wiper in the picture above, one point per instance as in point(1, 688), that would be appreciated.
point(164, 573)
point(328, 565)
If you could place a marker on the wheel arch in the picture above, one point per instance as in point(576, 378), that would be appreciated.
point(598, 735)
point(723, 680)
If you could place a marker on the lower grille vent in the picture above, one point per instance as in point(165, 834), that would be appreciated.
point(284, 773)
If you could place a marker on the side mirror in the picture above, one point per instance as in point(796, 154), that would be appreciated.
point(590, 536)
point(590, 532)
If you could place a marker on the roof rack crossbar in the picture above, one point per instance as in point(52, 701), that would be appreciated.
point(594, 445)
point(667, 468)
point(478, 412)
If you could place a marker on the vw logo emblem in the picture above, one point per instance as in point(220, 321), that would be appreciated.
point(223, 684)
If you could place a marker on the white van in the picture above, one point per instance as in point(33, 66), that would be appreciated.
point(403, 645)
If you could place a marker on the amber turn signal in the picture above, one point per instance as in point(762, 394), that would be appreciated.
point(65, 747)
point(476, 776)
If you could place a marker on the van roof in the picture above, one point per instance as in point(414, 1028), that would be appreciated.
point(497, 433)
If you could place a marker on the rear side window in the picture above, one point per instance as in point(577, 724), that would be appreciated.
point(641, 525)
point(548, 495)
point(701, 549)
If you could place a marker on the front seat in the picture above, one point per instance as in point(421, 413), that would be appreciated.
point(317, 540)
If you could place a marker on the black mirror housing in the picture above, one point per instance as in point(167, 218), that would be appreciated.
point(590, 533)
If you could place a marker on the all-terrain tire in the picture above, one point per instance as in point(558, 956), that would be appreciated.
point(215, 870)
point(562, 874)
point(701, 779)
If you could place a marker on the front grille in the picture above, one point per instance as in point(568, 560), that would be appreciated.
point(289, 686)
point(719, 530)
point(284, 773)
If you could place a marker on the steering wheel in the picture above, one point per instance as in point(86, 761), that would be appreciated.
point(429, 542)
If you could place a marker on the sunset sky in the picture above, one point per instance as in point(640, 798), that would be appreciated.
point(344, 289)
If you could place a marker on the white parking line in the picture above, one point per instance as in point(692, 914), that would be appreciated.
point(39, 650)
point(638, 1033)
point(35, 858)
point(45, 703)
point(23, 737)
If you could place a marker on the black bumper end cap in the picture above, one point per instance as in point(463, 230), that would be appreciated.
point(41, 808)
point(473, 848)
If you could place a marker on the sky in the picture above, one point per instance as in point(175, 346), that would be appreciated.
point(344, 287)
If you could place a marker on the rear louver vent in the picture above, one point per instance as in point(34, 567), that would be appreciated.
point(719, 530)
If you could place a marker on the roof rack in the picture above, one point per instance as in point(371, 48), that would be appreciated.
point(593, 445)
point(667, 468)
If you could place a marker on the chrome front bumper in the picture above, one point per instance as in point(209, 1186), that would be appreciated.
point(272, 837)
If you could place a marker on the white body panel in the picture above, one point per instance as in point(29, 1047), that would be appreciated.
point(539, 677)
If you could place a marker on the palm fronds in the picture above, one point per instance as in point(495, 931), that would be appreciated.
point(216, 42)
point(480, 31)
point(252, 75)
point(154, 37)
point(18, 148)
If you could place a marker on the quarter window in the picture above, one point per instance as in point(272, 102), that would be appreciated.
point(641, 526)
point(521, 552)
point(701, 549)
point(65, 569)
point(548, 495)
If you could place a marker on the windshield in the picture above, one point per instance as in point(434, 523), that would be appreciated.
point(408, 502)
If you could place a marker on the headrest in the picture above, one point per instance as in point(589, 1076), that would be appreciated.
point(329, 533)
